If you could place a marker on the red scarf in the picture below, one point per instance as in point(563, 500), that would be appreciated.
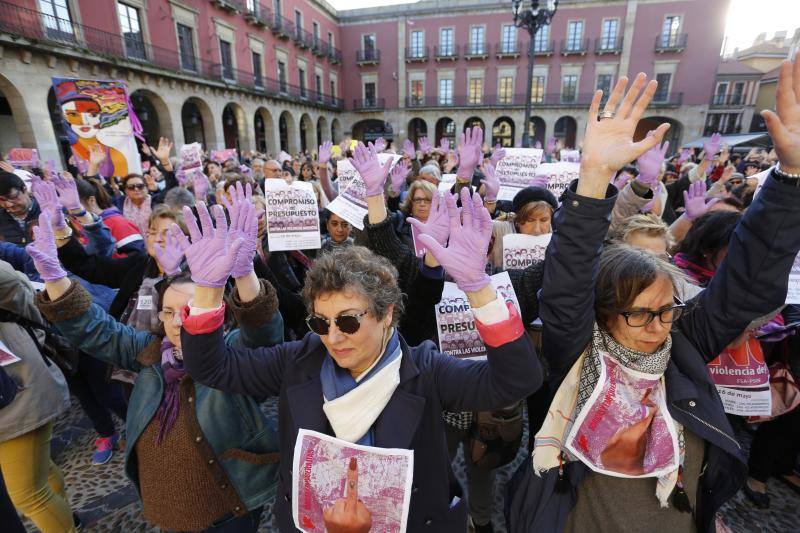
point(700, 274)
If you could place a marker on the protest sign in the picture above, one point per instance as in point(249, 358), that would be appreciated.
point(320, 465)
point(7, 357)
point(559, 175)
point(191, 156)
point(521, 251)
point(793, 295)
point(220, 156)
point(742, 379)
point(283, 157)
point(97, 113)
point(23, 157)
point(351, 203)
point(516, 170)
point(292, 215)
point(447, 182)
point(458, 335)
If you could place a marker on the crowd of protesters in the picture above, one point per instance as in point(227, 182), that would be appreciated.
point(154, 299)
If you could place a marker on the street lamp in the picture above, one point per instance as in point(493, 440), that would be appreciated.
point(531, 19)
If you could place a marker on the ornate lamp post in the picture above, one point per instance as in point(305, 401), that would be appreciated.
point(531, 18)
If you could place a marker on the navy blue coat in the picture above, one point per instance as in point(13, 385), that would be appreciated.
point(751, 282)
point(429, 383)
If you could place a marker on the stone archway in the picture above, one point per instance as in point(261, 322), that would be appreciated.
point(16, 130)
point(197, 122)
point(286, 133)
point(153, 113)
point(446, 128)
point(263, 126)
point(234, 127)
point(503, 132)
point(307, 135)
point(417, 128)
point(565, 130)
point(336, 131)
point(673, 135)
point(322, 130)
point(471, 122)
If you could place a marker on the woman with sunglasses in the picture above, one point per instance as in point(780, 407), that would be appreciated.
point(636, 433)
point(354, 376)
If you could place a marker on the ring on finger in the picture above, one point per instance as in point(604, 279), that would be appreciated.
point(606, 114)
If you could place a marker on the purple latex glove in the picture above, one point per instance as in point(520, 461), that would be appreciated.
point(438, 223)
point(773, 332)
point(646, 208)
point(424, 145)
point(685, 155)
point(344, 147)
point(324, 153)
point(650, 163)
point(540, 180)
point(380, 144)
point(171, 254)
point(67, 191)
point(537, 145)
point(408, 148)
point(711, 147)
point(244, 225)
point(497, 154)
point(43, 250)
point(365, 160)
point(180, 175)
point(46, 196)
point(398, 175)
point(694, 200)
point(211, 254)
point(551, 145)
point(469, 152)
point(444, 145)
point(200, 186)
point(491, 184)
point(245, 170)
point(465, 256)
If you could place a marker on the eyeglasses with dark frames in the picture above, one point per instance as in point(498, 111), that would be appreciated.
point(135, 186)
point(347, 324)
point(668, 315)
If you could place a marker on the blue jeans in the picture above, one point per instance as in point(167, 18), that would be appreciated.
point(243, 524)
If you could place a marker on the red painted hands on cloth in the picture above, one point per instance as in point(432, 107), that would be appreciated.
point(348, 514)
point(366, 162)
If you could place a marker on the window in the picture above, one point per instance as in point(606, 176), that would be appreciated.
point(505, 90)
point(253, 7)
point(662, 93)
point(370, 93)
point(475, 92)
point(671, 31)
point(282, 76)
point(186, 48)
point(417, 92)
point(719, 94)
point(446, 92)
point(537, 89)
point(477, 42)
point(57, 20)
point(333, 88)
point(330, 39)
point(226, 59)
point(508, 45)
point(738, 93)
point(368, 46)
point(276, 6)
point(446, 47)
point(417, 43)
point(318, 86)
point(575, 35)
point(604, 84)
point(258, 75)
point(608, 39)
point(569, 88)
point(301, 73)
point(131, 31)
point(315, 31)
point(541, 41)
point(298, 20)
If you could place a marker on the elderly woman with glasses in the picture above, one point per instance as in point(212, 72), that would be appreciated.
point(636, 432)
point(354, 376)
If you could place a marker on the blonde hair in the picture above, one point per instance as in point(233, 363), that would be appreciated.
point(427, 187)
point(649, 224)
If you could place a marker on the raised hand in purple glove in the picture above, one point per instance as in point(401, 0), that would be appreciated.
point(646, 208)
point(438, 223)
point(552, 142)
point(540, 180)
point(398, 175)
point(380, 144)
point(67, 191)
point(365, 160)
point(324, 153)
point(408, 148)
point(685, 155)
point(200, 185)
point(497, 154)
point(469, 152)
point(46, 196)
point(424, 145)
point(491, 184)
point(43, 250)
point(711, 147)
point(773, 332)
point(465, 256)
point(694, 200)
point(538, 145)
point(211, 254)
point(244, 225)
point(444, 145)
point(169, 256)
point(650, 163)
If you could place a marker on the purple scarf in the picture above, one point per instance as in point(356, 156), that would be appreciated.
point(173, 371)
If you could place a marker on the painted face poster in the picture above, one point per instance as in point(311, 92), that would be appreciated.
point(559, 175)
point(455, 323)
point(96, 114)
point(23, 157)
point(521, 251)
point(351, 204)
point(191, 156)
point(292, 216)
point(517, 170)
point(742, 379)
point(793, 295)
point(320, 464)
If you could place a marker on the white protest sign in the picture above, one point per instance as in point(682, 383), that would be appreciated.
point(793, 295)
point(516, 170)
point(447, 182)
point(351, 204)
point(559, 175)
point(458, 335)
point(521, 251)
point(292, 215)
point(742, 379)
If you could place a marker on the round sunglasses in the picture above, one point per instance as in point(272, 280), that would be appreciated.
point(347, 324)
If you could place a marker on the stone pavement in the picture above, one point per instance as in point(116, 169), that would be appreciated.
point(107, 502)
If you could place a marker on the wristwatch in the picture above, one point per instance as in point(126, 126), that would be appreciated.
point(66, 236)
point(785, 177)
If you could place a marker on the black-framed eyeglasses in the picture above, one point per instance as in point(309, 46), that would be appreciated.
point(348, 324)
point(12, 196)
point(135, 186)
point(668, 315)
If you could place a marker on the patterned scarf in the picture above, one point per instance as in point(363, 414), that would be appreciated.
point(139, 215)
point(173, 370)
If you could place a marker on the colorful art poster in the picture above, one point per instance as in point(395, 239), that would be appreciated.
point(521, 251)
point(516, 170)
point(793, 294)
point(320, 465)
point(742, 379)
point(351, 203)
point(220, 156)
point(292, 216)
point(455, 323)
point(23, 157)
point(559, 175)
point(97, 113)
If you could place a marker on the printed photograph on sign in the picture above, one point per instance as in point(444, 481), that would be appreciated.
point(23, 157)
point(559, 176)
point(521, 251)
point(741, 376)
point(292, 216)
point(517, 170)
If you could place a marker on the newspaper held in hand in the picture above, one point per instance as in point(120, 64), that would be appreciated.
point(517, 170)
point(320, 471)
point(521, 251)
point(351, 204)
point(292, 215)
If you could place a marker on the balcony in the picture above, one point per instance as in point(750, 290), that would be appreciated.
point(257, 14)
point(282, 28)
point(505, 50)
point(417, 54)
point(370, 56)
point(544, 49)
point(320, 48)
point(499, 101)
point(303, 38)
point(666, 99)
point(728, 100)
point(369, 104)
point(606, 45)
point(334, 55)
point(575, 47)
point(445, 53)
point(671, 42)
point(476, 51)
point(234, 6)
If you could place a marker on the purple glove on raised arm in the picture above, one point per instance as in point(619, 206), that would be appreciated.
point(380, 144)
point(537, 145)
point(43, 250)
point(244, 225)
point(45, 194)
point(650, 163)
point(497, 154)
point(491, 183)
point(711, 147)
point(685, 155)
point(398, 175)
point(646, 208)
point(67, 191)
point(366, 162)
point(324, 153)
point(438, 223)
point(210, 255)
point(551, 145)
point(694, 200)
point(444, 145)
point(469, 152)
point(171, 254)
point(200, 185)
point(465, 256)
point(424, 145)
point(408, 148)
point(540, 180)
